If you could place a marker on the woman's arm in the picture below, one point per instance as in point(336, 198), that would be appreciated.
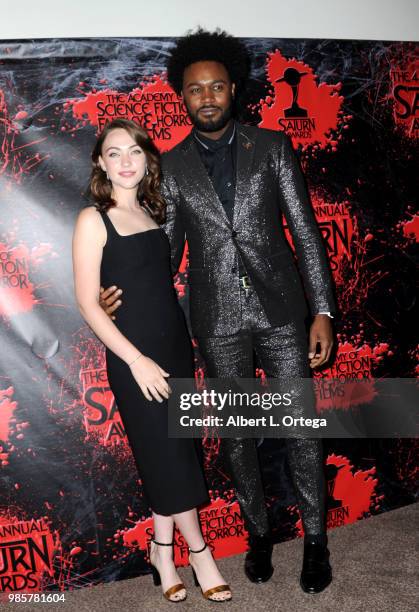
point(88, 241)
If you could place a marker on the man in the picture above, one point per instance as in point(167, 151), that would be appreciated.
point(226, 186)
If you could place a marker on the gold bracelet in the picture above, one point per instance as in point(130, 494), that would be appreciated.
point(138, 356)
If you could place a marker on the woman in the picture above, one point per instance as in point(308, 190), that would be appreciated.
point(119, 240)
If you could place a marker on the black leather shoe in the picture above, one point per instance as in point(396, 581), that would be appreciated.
point(258, 562)
point(316, 574)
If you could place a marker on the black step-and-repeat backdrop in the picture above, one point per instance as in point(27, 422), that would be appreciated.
point(72, 510)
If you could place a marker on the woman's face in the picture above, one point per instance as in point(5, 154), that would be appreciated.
point(123, 159)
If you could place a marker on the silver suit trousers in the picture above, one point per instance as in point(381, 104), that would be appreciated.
point(281, 351)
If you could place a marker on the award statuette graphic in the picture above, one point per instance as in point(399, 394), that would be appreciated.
point(293, 77)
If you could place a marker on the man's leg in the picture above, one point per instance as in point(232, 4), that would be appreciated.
point(283, 353)
point(233, 357)
point(229, 357)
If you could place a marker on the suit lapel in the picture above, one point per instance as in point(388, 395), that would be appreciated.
point(196, 171)
point(245, 155)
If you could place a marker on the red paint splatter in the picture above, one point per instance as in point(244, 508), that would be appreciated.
point(17, 292)
point(351, 494)
point(94, 404)
point(355, 277)
point(39, 547)
point(308, 112)
point(16, 289)
point(411, 228)
point(405, 460)
point(353, 366)
point(404, 95)
point(337, 228)
point(7, 408)
point(353, 362)
point(222, 527)
point(15, 159)
point(101, 417)
point(154, 105)
point(180, 280)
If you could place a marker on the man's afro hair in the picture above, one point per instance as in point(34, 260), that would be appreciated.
point(201, 46)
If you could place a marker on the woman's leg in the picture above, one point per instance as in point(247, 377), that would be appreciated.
point(162, 556)
point(203, 563)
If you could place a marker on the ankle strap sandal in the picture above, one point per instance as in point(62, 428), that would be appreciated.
point(157, 579)
point(208, 594)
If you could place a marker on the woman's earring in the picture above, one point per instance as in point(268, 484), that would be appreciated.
point(146, 170)
point(107, 175)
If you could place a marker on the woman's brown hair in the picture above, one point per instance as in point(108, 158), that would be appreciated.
point(149, 187)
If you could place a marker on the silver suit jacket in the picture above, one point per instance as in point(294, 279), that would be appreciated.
point(269, 185)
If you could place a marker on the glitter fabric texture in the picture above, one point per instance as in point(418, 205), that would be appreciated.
point(269, 184)
point(232, 356)
point(230, 322)
point(282, 353)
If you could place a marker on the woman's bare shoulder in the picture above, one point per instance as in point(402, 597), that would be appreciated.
point(90, 216)
point(90, 220)
point(89, 212)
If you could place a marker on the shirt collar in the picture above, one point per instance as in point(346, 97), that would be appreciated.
point(212, 145)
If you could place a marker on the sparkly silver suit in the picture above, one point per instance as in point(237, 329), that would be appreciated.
point(229, 322)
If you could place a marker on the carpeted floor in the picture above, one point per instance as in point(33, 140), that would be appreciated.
point(375, 567)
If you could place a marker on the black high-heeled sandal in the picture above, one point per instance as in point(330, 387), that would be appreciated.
point(157, 580)
point(221, 588)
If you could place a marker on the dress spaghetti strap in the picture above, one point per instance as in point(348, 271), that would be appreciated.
point(106, 220)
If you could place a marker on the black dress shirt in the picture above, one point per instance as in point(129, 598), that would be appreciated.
point(220, 160)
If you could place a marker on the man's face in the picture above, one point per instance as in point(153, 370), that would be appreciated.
point(208, 95)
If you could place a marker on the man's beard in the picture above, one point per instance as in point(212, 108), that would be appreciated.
point(212, 125)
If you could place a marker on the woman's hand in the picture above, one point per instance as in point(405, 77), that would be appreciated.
point(151, 378)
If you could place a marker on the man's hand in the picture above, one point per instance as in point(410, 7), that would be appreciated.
point(321, 332)
point(109, 300)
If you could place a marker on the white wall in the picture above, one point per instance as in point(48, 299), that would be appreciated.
point(362, 19)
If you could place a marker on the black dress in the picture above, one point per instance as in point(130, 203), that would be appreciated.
point(152, 319)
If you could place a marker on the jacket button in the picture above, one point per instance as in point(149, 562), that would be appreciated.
point(233, 234)
point(234, 269)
